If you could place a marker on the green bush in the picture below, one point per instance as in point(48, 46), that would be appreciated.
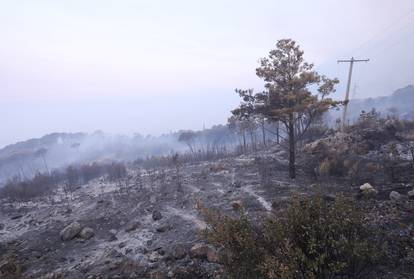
point(311, 239)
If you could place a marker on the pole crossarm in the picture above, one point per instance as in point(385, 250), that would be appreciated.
point(353, 60)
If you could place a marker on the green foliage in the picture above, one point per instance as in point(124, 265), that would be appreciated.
point(311, 239)
point(242, 253)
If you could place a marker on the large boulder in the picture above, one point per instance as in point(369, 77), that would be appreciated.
point(71, 231)
point(87, 233)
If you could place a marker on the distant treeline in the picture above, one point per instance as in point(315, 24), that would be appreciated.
point(43, 184)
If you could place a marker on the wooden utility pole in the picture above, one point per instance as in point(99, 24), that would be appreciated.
point(351, 65)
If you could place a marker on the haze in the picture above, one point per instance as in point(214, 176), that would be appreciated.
point(156, 66)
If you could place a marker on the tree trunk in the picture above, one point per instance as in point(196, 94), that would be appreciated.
point(277, 132)
point(292, 169)
point(263, 134)
point(244, 142)
point(252, 140)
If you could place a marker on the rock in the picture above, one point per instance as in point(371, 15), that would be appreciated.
point(128, 250)
point(411, 194)
point(114, 254)
point(156, 215)
point(16, 216)
point(367, 188)
point(179, 252)
point(160, 251)
point(236, 184)
point(205, 252)
point(329, 197)
point(87, 233)
point(36, 254)
point(163, 228)
point(154, 257)
point(70, 231)
point(132, 226)
point(395, 196)
point(112, 238)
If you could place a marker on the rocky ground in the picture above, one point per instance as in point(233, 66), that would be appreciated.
point(150, 229)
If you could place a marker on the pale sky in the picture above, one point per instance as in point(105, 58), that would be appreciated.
point(147, 66)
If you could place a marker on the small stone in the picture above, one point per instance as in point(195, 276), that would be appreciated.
point(87, 233)
point(329, 197)
point(163, 228)
point(154, 257)
point(132, 226)
point(395, 196)
point(411, 194)
point(367, 190)
point(1, 226)
point(112, 238)
point(128, 250)
point(71, 231)
point(156, 215)
point(16, 216)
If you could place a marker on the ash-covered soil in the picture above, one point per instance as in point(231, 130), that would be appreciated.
point(150, 228)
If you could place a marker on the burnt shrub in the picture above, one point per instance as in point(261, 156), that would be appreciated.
point(313, 238)
point(10, 266)
point(73, 176)
point(91, 171)
point(116, 171)
point(20, 190)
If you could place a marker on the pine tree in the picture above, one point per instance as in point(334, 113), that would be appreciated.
point(288, 97)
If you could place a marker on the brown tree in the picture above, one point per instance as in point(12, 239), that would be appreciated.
point(288, 97)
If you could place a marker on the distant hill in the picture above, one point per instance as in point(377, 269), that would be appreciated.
point(400, 103)
point(58, 150)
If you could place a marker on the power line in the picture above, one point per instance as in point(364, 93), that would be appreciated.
point(384, 30)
